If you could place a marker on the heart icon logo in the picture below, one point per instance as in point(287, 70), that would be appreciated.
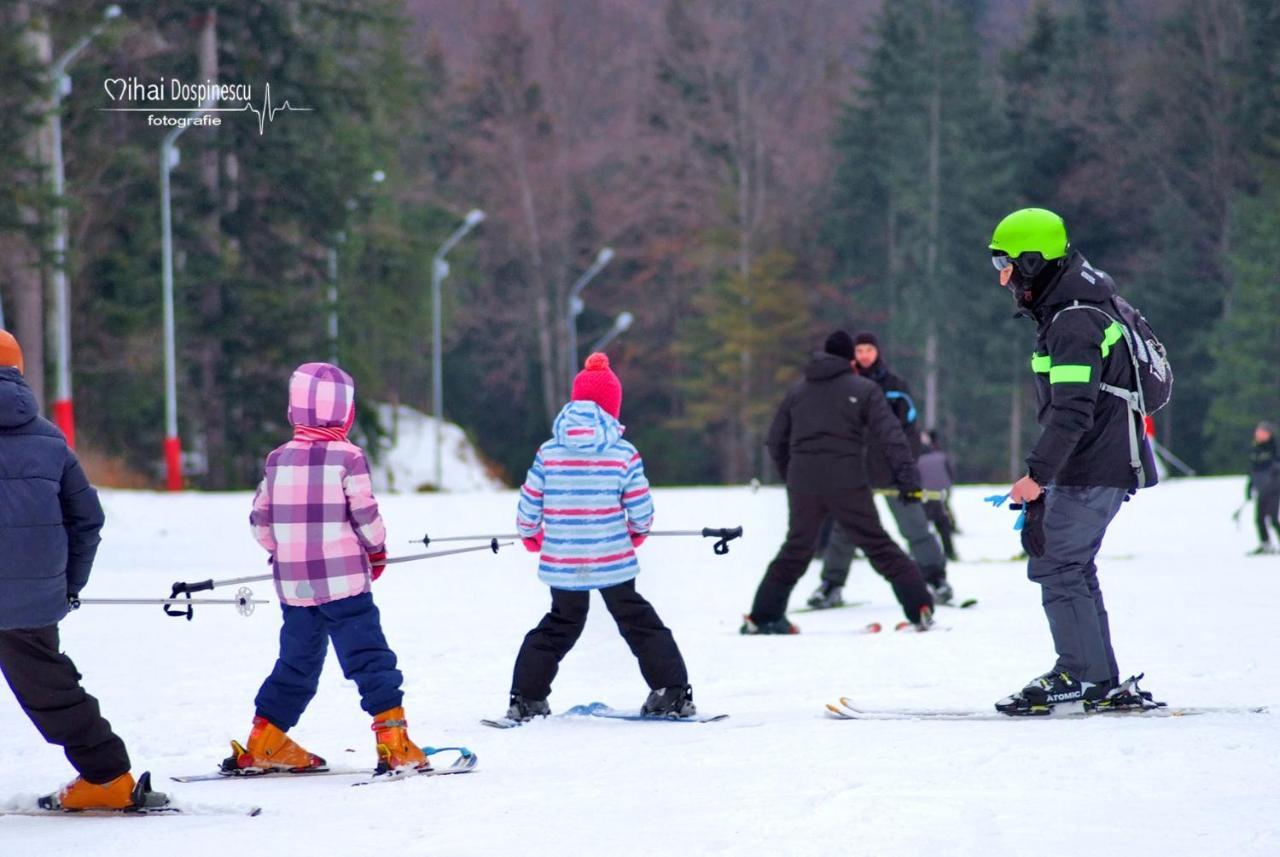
point(115, 83)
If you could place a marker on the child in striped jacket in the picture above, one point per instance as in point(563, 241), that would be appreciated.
point(585, 508)
point(316, 515)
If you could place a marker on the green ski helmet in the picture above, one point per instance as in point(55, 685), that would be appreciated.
point(1030, 230)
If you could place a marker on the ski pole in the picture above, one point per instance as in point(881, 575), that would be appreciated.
point(1235, 516)
point(923, 494)
point(182, 588)
point(724, 534)
point(244, 601)
point(426, 540)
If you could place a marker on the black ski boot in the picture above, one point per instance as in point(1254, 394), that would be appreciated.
point(672, 703)
point(1053, 688)
point(523, 710)
point(941, 591)
point(776, 626)
point(827, 595)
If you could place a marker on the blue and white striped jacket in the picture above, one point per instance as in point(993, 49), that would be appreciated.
point(588, 490)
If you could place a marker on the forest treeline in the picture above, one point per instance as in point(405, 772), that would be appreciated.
point(764, 172)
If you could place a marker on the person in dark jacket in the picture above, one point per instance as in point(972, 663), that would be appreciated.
point(936, 478)
point(1264, 478)
point(1080, 470)
point(818, 441)
point(910, 517)
point(49, 523)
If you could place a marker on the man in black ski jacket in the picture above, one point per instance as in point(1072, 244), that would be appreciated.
point(818, 441)
point(908, 513)
point(1080, 470)
point(1264, 479)
point(49, 523)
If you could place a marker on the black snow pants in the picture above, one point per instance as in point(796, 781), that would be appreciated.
point(650, 641)
point(47, 686)
point(914, 526)
point(1268, 511)
point(854, 512)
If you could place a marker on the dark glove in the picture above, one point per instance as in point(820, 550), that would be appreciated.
point(1033, 528)
point(376, 557)
point(909, 495)
point(73, 600)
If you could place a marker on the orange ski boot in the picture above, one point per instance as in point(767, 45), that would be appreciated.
point(119, 795)
point(270, 750)
point(395, 751)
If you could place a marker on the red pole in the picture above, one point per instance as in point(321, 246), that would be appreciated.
point(64, 418)
point(173, 464)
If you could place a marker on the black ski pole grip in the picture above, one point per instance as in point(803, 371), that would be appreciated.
point(181, 588)
point(724, 534)
point(493, 545)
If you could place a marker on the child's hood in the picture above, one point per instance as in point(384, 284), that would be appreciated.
point(321, 396)
point(585, 425)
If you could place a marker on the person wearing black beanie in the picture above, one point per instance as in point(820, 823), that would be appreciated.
point(910, 516)
point(818, 440)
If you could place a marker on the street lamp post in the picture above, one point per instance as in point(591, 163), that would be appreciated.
point(620, 326)
point(440, 270)
point(62, 411)
point(576, 306)
point(172, 445)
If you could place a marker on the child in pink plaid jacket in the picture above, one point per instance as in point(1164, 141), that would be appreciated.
point(315, 513)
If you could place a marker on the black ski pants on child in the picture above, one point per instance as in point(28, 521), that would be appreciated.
point(1268, 511)
point(546, 645)
point(47, 686)
point(855, 514)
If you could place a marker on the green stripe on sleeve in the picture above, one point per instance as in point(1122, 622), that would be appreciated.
point(1069, 374)
point(1110, 337)
point(1041, 363)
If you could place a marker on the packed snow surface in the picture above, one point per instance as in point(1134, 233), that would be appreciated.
point(776, 778)
point(406, 462)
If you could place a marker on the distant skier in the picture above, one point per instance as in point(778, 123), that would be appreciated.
point(936, 478)
point(909, 516)
point(1264, 479)
point(818, 440)
point(315, 513)
point(50, 520)
point(1080, 470)
point(584, 508)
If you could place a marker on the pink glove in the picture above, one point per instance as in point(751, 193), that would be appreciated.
point(637, 539)
point(377, 557)
point(533, 544)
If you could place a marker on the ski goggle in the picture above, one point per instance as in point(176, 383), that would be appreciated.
point(1028, 264)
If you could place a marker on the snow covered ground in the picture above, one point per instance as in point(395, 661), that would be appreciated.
point(407, 462)
point(776, 778)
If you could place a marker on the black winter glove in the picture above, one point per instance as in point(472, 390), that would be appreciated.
point(1033, 528)
point(73, 600)
point(908, 495)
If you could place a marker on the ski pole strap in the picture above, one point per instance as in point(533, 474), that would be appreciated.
point(998, 500)
point(181, 588)
point(723, 534)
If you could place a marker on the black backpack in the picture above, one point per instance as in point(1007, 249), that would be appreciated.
point(1151, 371)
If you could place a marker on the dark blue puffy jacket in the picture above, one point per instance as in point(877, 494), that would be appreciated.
point(49, 513)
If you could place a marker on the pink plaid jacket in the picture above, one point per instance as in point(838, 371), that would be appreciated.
point(314, 510)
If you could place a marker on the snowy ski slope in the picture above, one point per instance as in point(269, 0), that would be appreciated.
point(776, 778)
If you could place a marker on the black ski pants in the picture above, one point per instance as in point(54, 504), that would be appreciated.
point(854, 512)
point(1268, 511)
point(925, 549)
point(650, 641)
point(47, 686)
point(940, 516)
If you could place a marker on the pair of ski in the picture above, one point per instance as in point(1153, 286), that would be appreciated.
point(465, 763)
point(959, 605)
point(599, 709)
point(847, 709)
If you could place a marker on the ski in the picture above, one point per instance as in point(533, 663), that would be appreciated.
point(599, 709)
point(959, 605)
point(466, 761)
point(849, 710)
point(836, 607)
point(192, 809)
point(464, 764)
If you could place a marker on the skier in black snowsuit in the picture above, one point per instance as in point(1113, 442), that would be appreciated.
point(818, 441)
point(1264, 478)
point(1079, 472)
point(910, 517)
point(49, 523)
